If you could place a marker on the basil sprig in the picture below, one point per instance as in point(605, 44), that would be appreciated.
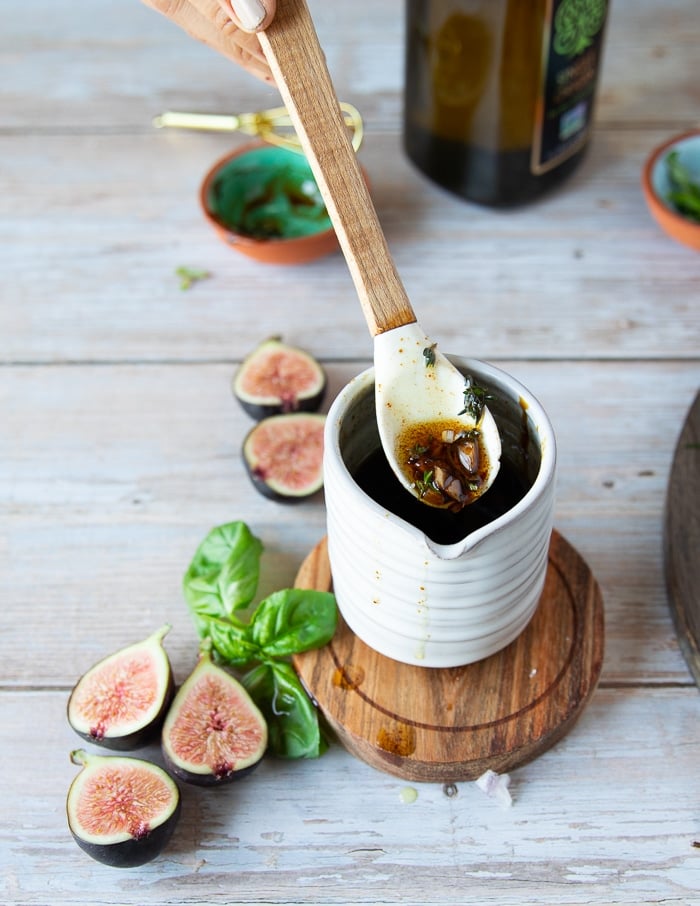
point(219, 586)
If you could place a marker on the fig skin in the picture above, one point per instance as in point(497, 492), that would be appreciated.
point(110, 736)
point(283, 456)
point(202, 700)
point(133, 850)
point(277, 378)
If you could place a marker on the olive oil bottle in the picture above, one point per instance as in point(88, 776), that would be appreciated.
point(499, 94)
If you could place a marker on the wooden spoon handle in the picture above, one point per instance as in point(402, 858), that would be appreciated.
point(299, 66)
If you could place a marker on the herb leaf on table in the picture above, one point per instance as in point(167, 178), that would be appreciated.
point(220, 582)
point(190, 275)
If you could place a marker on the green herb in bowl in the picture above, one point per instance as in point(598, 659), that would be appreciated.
point(684, 193)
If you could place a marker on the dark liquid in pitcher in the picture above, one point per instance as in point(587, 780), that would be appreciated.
point(377, 480)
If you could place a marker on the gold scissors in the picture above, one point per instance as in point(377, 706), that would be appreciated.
point(273, 125)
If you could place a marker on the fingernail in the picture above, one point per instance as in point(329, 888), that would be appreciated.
point(250, 13)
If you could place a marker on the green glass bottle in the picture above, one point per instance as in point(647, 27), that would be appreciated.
point(499, 94)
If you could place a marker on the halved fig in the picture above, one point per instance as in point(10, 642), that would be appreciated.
point(283, 455)
point(122, 700)
point(214, 732)
point(122, 811)
point(277, 378)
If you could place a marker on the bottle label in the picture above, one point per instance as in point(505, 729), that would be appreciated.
point(572, 46)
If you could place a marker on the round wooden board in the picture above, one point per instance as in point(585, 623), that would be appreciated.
point(445, 725)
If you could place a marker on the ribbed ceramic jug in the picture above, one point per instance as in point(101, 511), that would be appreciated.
point(406, 595)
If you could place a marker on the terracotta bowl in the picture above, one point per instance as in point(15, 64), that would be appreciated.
point(262, 200)
point(656, 186)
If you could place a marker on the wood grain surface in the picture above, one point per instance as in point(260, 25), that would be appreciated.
point(682, 539)
point(120, 448)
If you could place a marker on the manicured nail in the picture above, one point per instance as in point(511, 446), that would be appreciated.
point(250, 13)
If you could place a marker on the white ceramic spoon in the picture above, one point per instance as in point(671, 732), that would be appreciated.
point(410, 391)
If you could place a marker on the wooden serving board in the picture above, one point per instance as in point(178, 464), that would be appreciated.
point(682, 539)
point(445, 725)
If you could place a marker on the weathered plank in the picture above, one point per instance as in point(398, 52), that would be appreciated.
point(120, 448)
point(81, 80)
point(111, 475)
point(609, 815)
point(585, 274)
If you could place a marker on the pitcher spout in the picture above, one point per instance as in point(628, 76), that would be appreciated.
point(457, 549)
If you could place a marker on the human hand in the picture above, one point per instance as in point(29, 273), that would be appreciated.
point(228, 27)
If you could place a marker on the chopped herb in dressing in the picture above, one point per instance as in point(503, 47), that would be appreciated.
point(474, 400)
point(446, 464)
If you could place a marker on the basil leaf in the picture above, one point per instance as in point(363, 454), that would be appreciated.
point(221, 580)
point(293, 620)
point(223, 575)
point(231, 642)
point(292, 719)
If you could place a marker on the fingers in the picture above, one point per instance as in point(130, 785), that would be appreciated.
point(211, 21)
point(251, 15)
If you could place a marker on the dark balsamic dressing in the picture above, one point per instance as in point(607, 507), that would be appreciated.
point(375, 477)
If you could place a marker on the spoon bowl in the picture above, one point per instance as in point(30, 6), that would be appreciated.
point(412, 388)
point(418, 389)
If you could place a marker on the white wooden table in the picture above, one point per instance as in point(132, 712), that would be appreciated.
point(120, 448)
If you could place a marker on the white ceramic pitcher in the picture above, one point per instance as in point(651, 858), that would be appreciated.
point(410, 597)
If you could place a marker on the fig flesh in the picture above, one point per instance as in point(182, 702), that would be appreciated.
point(214, 733)
point(278, 378)
point(122, 700)
point(122, 811)
point(283, 455)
